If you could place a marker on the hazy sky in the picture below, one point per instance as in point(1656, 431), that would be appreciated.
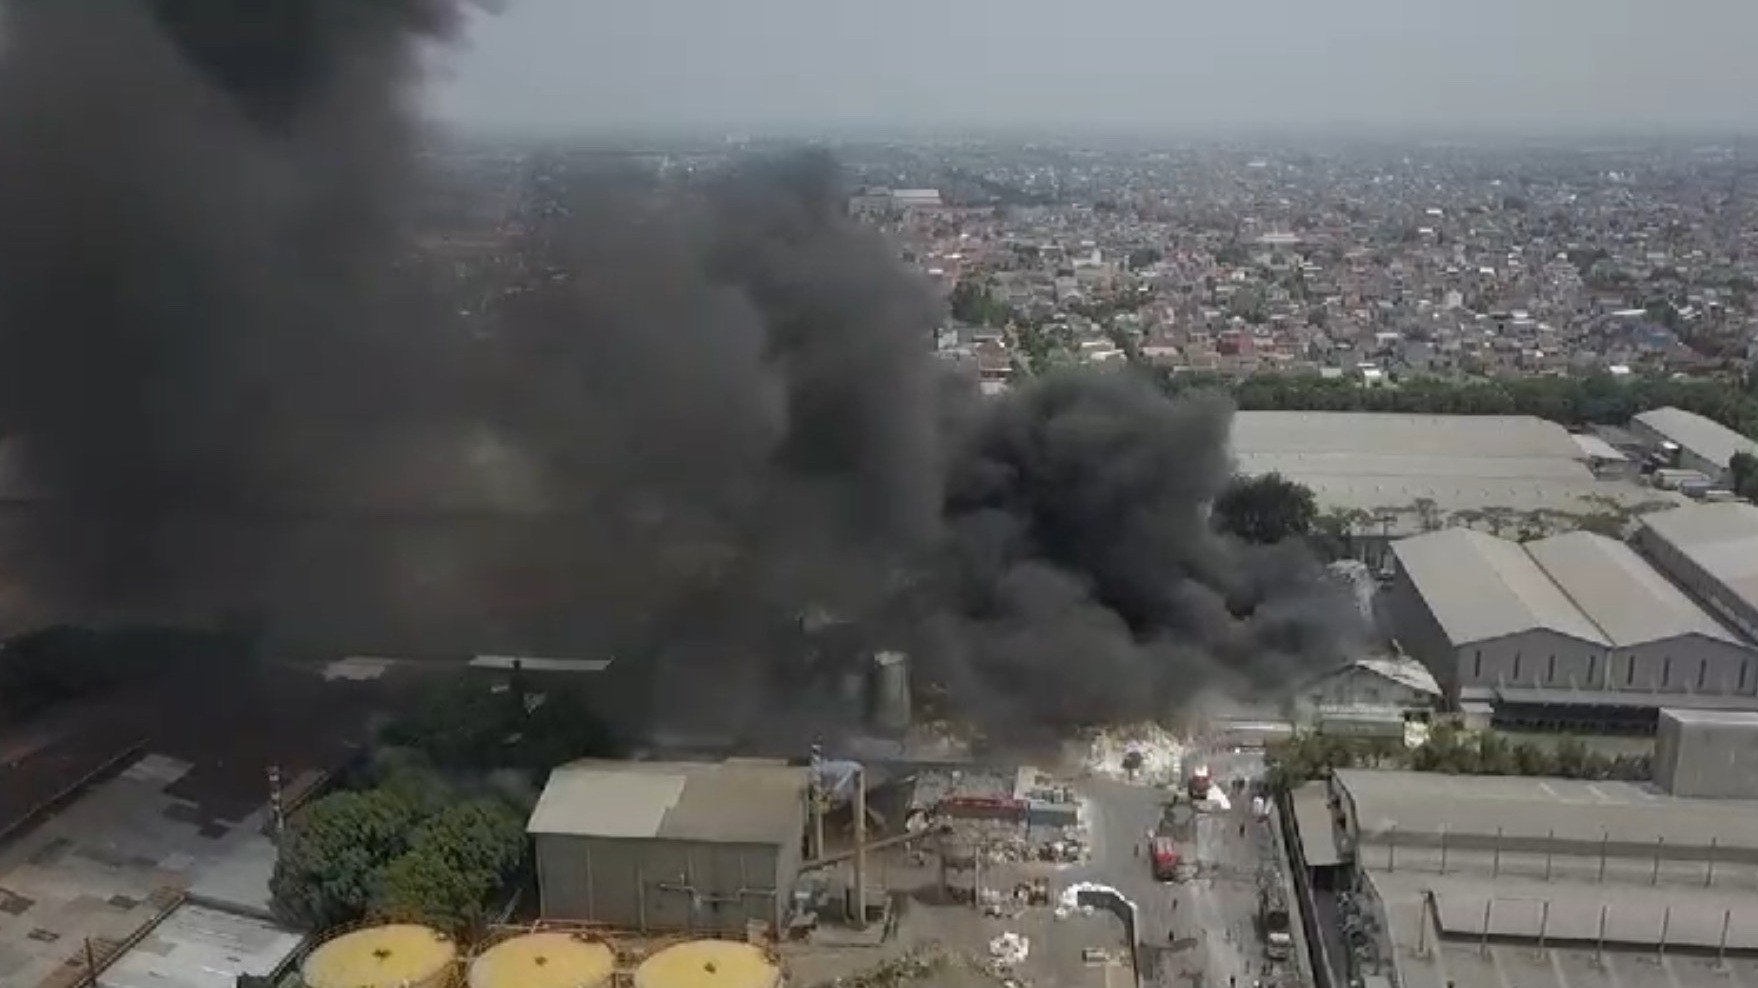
point(1151, 64)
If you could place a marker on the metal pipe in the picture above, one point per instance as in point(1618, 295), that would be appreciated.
point(1599, 955)
point(1709, 872)
point(878, 845)
point(1549, 852)
point(1727, 918)
point(860, 847)
point(1496, 866)
point(1483, 944)
point(1604, 839)
point(1543, 926)
point(1666, 922)
point(1659, 842)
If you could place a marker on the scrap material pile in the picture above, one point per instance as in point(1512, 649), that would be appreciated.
point(1009, 949)
point(1000, 817)
point(1145, 753)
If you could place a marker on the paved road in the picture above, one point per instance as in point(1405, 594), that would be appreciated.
point(1199, 933)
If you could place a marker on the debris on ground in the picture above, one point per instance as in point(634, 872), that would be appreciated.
point(1145, 753)
point(910, 968)
point(1010, 949)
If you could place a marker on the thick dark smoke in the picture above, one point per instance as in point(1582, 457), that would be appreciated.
point(703, 432)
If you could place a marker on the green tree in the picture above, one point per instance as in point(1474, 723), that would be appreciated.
point(456, 862)
point(332, 852)
point(973, 303)
point(1744, 467)
point(1266, 508)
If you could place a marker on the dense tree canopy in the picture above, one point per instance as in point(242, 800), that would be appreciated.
point(461, 724)
point(1597, 398)
point(413, 848)
point(1449, 749)
point(332, 853)
point(456, 860)
point(1265, 509)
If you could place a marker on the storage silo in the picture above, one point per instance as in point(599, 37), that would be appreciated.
point(549, 959)
point(889, 700)
point(395, 955)
point(709, 964)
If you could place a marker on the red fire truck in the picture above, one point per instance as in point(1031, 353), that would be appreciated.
point(1164, 857)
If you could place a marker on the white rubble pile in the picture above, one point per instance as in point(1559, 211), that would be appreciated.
point(1160, 754)
point(1068, 903)
point(1010, 949)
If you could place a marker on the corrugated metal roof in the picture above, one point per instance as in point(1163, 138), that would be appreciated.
point(1595, 448)
point(1481, 587)
point(1370, 461)
point(1571, 911)
point(729, 802)
point(1422, 435)
point(1705, 437)
point(1317, 829)
point(1401, 806)
point(1722, 539)
point(1403, 670)
point(1620, 592)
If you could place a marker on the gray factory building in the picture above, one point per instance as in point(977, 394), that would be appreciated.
point(1707, 753)
point(1401, 470)
point(1572, 628)
point(1712, 551)
point(1705, 445)
point(1489, 881)
point(670, 845)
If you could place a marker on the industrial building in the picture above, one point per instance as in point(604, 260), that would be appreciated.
point(1712, 551)
point(1489, 881)
point(670, 845)
point(1375, 694)
point(1703, 445)
point(1707, 753)
point(1411, 472)
point(1574, 628)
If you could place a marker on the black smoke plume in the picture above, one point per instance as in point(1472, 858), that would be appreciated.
point(699, 429)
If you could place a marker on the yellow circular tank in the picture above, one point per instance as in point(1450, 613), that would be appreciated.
point(708, 964)
point(397, 955)
point(543, 960)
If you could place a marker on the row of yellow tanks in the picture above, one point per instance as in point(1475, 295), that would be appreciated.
point(403, 955)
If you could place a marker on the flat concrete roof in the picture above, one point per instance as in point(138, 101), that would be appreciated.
point(199, 947)
point(739, 801)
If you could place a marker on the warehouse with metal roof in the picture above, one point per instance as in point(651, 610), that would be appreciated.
point(1575, 620)
point(670, 845)
point(1704, 445)
point(1712, 551)
point(1488, 881)
point(1384, 464)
